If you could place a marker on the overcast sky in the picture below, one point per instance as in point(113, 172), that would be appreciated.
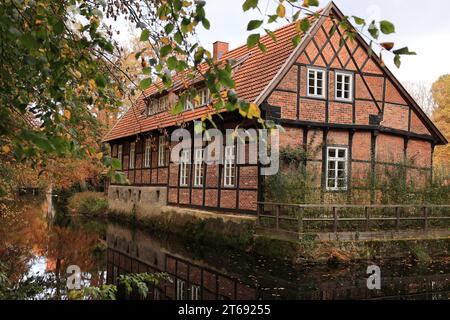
point(423, 27)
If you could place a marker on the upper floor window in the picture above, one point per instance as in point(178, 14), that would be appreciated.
point(161, 151)
point(344, 86)
point(337, 168)
point(157, 105)
point(316, 83)
point(203, 98)
point(229, 167)
point(198, 168)
point(184, 165)
point(147, 151)
point(132, 154)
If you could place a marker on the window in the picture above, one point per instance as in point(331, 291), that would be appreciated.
point(204, 97)
point(119, 152)
point(229, 166)
point(157, 105)
point(184, 166)
point(181, 289)
point(316, 81)
point(337, 168)
point(161, 151)
point(198, 168)
point(188, 104)
point(344, 86)
point(132, 154)
point(147, 151)
point(195, 292)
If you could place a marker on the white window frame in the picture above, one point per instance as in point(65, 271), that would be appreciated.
point(120, 152)
point(132, 155)
point(184, 166)
point(195, 292)
point(229, 174)
point(162, 151)
point(181, 289)
point(335, 161)
point(324, 83)
point(188, 104)
point(198, 167)
point(348, 75)
point(147, 152)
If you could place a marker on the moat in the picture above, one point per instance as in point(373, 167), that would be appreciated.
point(44, 240)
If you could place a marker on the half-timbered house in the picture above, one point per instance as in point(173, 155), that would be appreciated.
point(325, 92)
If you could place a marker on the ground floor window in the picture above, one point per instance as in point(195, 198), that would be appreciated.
point(184, 166)
point(230, 167)
point(198, 168)
point(337, 168)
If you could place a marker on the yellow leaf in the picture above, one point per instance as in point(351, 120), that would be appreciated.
point(6, 149)
point(165, 40)
point(92, 85)
point(67, 114)
point(253, 111)
point(281, 11)
point(99, 155)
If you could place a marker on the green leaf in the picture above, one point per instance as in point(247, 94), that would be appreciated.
point(147, 70)
point(296, 40)
point(100, 81)
point(305, 25)
point(252, 40)
point(397, 61)
point(387, 27)
point(254, 24)
point(58, 27)
point(29, 41)
point(271, 35)
point(249, 4)
point(359, 21)
point(169, 28)
point(116, 164)
point(206, 24)
point(404, 51)
point(172, 63)
point(165, 50)
point(225, 78)
point(373, 30)
point(145, 84)
point(145, 34)
point(262, 47)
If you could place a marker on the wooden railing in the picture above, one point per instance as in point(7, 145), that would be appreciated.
point(330, 214)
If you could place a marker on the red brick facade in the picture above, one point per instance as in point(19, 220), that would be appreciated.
point(380, 126)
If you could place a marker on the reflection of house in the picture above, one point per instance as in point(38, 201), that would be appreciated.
point(339, 102)
point(189, 281)
point(193, 279)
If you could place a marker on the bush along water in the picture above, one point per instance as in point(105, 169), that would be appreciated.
point(88, 203)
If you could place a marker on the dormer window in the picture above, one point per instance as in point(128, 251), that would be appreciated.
point(203, 99)
point(157, 105)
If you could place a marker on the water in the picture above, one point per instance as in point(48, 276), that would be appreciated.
point(43, 241)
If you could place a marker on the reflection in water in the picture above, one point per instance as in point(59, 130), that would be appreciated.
point(44, 241)
point(209, 273)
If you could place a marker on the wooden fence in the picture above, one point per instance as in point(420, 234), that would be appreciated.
point(368, 215)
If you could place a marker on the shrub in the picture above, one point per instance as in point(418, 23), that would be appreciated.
point(89, 203)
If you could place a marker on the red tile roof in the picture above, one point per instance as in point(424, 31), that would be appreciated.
point(251, 76)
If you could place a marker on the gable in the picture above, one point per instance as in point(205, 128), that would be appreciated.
point(377, 93)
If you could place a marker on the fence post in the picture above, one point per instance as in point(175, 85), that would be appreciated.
point(366, 213)
point(425, 214)
point(335, 222)
point(397, 216)
point(277, 221)
point(300, 220)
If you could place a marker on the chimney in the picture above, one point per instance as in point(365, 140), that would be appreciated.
point(219, 49)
